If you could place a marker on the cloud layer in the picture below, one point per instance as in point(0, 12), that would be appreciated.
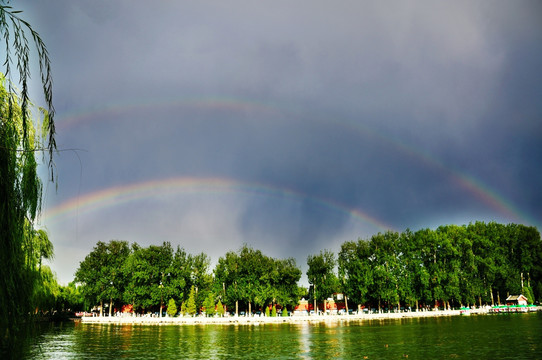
point(415, 114)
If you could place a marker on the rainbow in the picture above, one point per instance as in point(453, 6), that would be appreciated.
point(472, 185)
point(113, 196)
point(226, 104)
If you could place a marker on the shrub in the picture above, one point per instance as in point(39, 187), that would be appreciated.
point(171, 308)
point(220, 308)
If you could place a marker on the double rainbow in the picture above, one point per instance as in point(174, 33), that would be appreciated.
point(108, 197)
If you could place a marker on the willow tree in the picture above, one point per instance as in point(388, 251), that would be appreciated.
point(20, 186)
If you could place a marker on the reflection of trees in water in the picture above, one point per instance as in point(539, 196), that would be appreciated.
point(428, 339)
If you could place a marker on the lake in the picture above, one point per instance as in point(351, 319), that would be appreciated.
point(512, 336)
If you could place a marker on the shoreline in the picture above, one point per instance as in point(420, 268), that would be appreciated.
point(259, 320)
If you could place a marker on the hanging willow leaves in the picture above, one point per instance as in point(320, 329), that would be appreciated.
point(20, 186)
point(13, 30)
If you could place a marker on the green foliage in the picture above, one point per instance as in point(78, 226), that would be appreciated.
point(16, 281)
point(274, 311)
point(321, 275)
point(142, 276)
point(284, 312)
point(46, 291)
point(191, 302)
point(449, 266)
point(11, 22)
point(21, 246)
point(209, 304)
point(101, 274)
point(452, 265)
point(23, 287)
point(220, 308)
point(355, 270)
point(146, 271)
point(70, 298)
point(253, 278)
point(528, 293)
point(171, 308)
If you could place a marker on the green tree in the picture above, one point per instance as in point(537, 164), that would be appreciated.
point(284, 312)
point(355, 270)
point(274, 311)
point(191, 302)
point(20, 186)
point(20, 194)
point(101, 273)
point(171, 308)
point(408, 270)
point(148, 277)
point(284, 282)
point(251, 277)
point(70, 298)
point(200, 277)
point(385, 268)
point(252, 265)
point(180, 272)
point(449, 256)
point(36, 247)
point(226, 274)
point(220, 308)
point(321, 275)
point(209, 304)
point(484, 252)
point(46, 291)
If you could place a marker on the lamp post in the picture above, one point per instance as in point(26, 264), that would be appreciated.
point(111, 300)
point(161, 286)
point(315, 308)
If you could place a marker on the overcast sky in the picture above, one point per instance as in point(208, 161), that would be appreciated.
point(292, 126)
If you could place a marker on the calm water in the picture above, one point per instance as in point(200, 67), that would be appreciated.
point(515, 336)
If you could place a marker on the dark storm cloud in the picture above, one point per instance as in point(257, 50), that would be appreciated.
point(416, 113)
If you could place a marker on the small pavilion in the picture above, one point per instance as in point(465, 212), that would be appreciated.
point(516, 300)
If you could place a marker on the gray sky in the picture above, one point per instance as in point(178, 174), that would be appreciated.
point(289, 126)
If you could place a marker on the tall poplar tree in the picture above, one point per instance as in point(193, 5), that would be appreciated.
point(321, 275)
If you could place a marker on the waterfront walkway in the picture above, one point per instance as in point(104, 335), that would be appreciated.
point(257, 320)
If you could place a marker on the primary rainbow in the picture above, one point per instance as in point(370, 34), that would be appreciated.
point(105, 198)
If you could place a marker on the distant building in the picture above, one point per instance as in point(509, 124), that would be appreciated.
point(331, 306)
point(302, 308)
point(516, 300)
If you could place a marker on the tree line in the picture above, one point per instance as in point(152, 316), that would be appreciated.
point(451, 266)
point(116, 274)
point(448, 267)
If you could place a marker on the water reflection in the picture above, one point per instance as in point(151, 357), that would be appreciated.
point(504, 336)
